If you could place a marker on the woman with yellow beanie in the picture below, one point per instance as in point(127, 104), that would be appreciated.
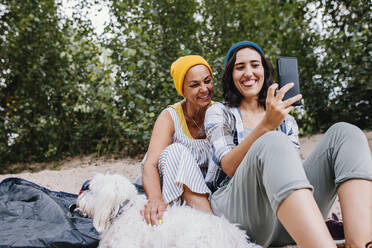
point(177, 158)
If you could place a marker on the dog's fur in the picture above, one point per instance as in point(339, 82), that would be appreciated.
point(182, 226)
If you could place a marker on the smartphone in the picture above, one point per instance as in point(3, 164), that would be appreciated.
point(287, 68)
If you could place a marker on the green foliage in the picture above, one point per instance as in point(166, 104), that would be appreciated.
point(30, 97)
point(147, 39)
point(48, 67)
point(343, 73)
point(64, 91)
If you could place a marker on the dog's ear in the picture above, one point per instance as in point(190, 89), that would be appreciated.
point(101, 219)
point(105, 207)
point(109, 192)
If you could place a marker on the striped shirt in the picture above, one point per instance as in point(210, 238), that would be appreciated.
point(199, 147)
point(184, 162)
point(225, 130)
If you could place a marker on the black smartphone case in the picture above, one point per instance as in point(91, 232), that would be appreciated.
point(288, 72)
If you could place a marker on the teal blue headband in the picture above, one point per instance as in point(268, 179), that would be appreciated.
point(241, 44)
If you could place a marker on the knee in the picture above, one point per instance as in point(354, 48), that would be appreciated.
point(273, 136)
point(346, 129)
point(173, 152)
point(275, 141)
point(175, 147)
point(275, 150)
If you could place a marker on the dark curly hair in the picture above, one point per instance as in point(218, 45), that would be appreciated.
point(231, 95)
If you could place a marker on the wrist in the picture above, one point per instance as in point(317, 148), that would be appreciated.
point(155, 198)
point(265, 127)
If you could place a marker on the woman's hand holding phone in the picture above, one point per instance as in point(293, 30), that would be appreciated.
point(276, 107)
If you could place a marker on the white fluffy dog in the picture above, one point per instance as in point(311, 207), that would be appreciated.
point(113, 203)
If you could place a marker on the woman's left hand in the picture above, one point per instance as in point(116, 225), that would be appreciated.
point(276, 108)
point(154, 211)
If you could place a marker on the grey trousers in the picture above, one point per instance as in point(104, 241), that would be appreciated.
point(272, 169)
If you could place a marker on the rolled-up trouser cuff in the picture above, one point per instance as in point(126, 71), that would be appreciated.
point(350, 176)
point(283, 193)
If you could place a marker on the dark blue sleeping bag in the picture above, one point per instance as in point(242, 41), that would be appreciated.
point(33, 216)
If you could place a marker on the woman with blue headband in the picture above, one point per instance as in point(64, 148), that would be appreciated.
point(255, 170)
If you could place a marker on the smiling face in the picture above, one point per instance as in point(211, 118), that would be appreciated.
point(198, 86)
point(248, 73)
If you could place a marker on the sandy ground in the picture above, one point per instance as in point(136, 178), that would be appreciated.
point(69, 175)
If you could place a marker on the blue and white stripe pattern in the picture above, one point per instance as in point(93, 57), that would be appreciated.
point(225, 130)
point(184, 162)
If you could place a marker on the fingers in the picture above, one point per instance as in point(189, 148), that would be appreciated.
point(276, 108)
point(289, 109)
point(161, 212)
point(281, 92)
point(271, 91)
point(292, 100)
point(147, 215)
point(153, 212)
point(154, 216)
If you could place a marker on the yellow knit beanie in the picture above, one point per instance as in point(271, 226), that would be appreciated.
point(181, 66)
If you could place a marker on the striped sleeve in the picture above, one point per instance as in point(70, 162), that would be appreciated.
point(292, 130)
point(219, 133)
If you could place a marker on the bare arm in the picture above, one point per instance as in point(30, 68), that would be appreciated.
point(161, 137)
point(276, 110)
point(231, 161)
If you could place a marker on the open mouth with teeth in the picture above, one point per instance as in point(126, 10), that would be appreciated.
point(204, 98)
point(249, 83)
